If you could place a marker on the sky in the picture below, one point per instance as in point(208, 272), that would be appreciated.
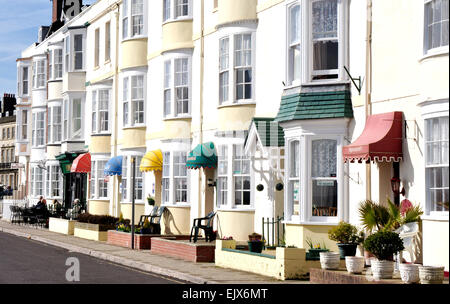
point(19, 26)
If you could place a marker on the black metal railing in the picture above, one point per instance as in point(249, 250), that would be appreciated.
point(274, 225)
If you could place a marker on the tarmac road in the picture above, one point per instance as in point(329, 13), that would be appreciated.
point(25, 261)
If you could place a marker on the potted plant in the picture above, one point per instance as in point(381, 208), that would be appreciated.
point(329, 260)
point(146, 227)
point(315, 249)
point(150, 200)
point(347, 237)
point(409, 273)
point(255, 243)
point(431, 274)
point(383, 245)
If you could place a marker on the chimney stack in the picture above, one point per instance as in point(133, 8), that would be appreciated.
point(57, 8)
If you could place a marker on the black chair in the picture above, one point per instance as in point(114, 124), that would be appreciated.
point(15, 217)
point(207, 228)
point(144, 216)
point(155, 220)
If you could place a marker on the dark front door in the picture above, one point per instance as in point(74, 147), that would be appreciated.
point(75, 187)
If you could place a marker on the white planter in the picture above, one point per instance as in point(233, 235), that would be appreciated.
point(382, 269)
point(354, 264)
point(409, 273)
point(431, 274)
point(329, 260)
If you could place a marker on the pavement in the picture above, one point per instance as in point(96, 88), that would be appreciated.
point(143, 260)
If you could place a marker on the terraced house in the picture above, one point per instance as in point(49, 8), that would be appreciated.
point(255, 109)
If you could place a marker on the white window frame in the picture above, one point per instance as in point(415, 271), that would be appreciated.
point(97, 47)
point(70, 51)
point(96, 110)
point(232, 68)
point(171, 79)
point(38, 181)
point(23, 80)
point(428, 210)
point(442, 48)
point(107, 41)
point(24, 120)
point(97, 179)
point(170, 179)
point(68, 118)
point(230, 204)
point(171, 13)
point(53, 184)
point(127, 179)
point(127, 25)
point(132, 104)
point(38, 125)
point(39, 73)
point(292, 45)
point(292, 179)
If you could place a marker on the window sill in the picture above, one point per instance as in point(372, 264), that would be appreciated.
point(172, 20)
point(177, 117)
point(434, 53)
point(55, 80)
point(139, 126)
point(310, 223)
point(100, 134)
point(105, 199)
point(236, 209)
point(236, 104)
point(437, 218)
point(180, 205)
point(137, 37)
point(140, 202)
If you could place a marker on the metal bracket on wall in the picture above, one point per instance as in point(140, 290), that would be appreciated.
point(358, 87)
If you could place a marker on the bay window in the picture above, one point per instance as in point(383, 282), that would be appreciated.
point(124, 177)
point(175, 182)
point(127, 181)
point(133, 100)
point(236, 85)
point(435, 25)
point(100, 111)
point(72, 114)
point(133, 18)
point(57, 63)
point(176, 9)
point(54, 124)
point(24, 134)
point(74, 49)
point(38, 181)
point(76, 119)
point(177, 79)
point(25, 81)
point(294, 176)
point(294, 38)
point(53, 181)
point(436, 165)
point(233, 177)
point(78, 52)
point(99, 187)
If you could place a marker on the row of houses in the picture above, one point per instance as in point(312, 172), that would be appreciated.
point(254, 109)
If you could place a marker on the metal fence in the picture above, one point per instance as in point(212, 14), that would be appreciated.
point(273, 231)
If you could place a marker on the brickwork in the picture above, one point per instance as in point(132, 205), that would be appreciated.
point(176, 247)
point(123, 239)
point(322, 276)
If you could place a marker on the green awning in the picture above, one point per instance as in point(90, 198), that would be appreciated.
point(65, 161)
point(204, 155)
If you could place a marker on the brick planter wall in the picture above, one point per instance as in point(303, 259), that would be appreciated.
point(176, 247)
point(123, 239)
point(322, 276)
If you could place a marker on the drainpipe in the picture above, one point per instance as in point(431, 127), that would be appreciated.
point(368, 104)
point(116, 102)
point(201, 173)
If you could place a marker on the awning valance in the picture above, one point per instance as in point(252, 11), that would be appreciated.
point(204, 155)
point(114, 166)
point(152, 161)
point(81, 164)
point(381, 140)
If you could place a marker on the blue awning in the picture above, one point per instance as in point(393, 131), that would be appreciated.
point(114, 166)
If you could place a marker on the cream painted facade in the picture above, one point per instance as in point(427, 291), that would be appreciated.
point(171, 82)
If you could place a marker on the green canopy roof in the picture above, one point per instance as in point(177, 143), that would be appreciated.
point(204, 155)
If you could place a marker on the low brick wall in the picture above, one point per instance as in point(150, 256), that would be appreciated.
point(123, 239)
point(341, 276)
point(180, 247)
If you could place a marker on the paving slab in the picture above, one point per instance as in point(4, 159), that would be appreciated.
point(198, 273)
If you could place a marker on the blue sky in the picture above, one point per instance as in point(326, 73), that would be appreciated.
point(19, 24)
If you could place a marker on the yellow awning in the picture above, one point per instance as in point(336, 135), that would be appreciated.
point(152, 161)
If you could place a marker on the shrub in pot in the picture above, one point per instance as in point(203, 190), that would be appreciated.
point(315, 249)
point(347, 237)
point(383, 245)
point(255, 243)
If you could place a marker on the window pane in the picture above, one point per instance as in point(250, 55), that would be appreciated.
point(324, 198)
point(325, 55)
point(294, 24)
point(324, 158)
point(324, 19)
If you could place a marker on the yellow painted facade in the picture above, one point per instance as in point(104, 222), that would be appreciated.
point(173, 128)
point(133, 138)
point(100, 144)
point(238, 224)
point(134, 53)
point(55, 89)
point(297, 235)
point(235, 117)
point(176, 221)
point(52, 151)
point(236, 10)
point(74, 82)
point(126, 210)
point(177, 35)
point(98, 207)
